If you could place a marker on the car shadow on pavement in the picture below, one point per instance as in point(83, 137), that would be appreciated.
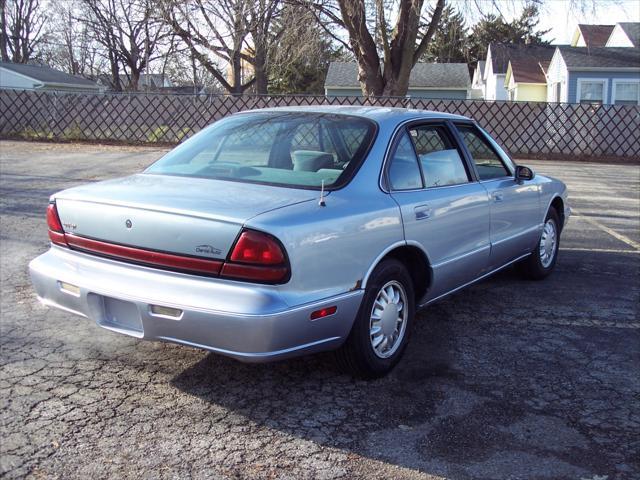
point(480, 393)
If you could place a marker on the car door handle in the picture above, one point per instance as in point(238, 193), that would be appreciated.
point(497, 196)
point(422, 212)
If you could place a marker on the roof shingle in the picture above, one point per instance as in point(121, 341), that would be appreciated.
point(595, 35)
point(529, 64)
point(502, 53)
point(425, 75)
point(600, 57)
point(47, 74)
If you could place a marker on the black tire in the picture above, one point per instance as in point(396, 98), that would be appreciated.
point(532, 266)
point(357, 355)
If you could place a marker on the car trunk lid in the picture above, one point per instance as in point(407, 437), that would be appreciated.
point(188, 216)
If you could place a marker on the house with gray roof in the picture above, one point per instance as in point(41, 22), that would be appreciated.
point(604, 75)
point(530, 60)
point(21, 76)
point(427, 80)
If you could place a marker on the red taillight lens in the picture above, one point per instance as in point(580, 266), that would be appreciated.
point(257, 248)
point(53, 221)
point(257, 257)
point(56, 232)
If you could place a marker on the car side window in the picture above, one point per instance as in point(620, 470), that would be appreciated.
point(439, 158)
point(404, 172)
point(487, 161)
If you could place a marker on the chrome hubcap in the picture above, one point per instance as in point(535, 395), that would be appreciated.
point(388, 319)
point(548, 242)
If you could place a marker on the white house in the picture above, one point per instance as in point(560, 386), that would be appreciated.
point(495, 70)
point(21, 76)
point(625, 34)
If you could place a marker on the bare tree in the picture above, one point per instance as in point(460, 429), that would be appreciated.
point(213, 30)
point(68, 45)
point(234, 32)
point(264, 38)
point(386, 51)
point(130, 33)
point(21, 29)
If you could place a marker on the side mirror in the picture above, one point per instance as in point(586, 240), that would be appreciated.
point(524, 173)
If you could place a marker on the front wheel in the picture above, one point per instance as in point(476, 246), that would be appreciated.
point(381, 330)
point(543, 258)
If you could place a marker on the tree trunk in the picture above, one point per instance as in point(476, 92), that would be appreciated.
point(115, 72)
point(235, 74)
point(389, 75)
point(260, 69)
point(134, 80)
point(4, 32)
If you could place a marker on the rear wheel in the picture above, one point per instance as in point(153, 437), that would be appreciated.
point(381, 330)
point(543, 258)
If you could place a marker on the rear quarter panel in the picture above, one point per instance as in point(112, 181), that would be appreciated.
point(331, 248)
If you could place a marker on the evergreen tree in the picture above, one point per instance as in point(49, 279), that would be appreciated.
point(450, 42)
point(522, 30)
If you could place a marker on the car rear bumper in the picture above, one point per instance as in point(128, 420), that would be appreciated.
point(247, 322)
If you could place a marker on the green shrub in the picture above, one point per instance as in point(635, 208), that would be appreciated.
point(73, 133)
point(159, 134)
point(31, 133)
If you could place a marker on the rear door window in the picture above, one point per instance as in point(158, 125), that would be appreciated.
point(485, 158)
point(440, 160)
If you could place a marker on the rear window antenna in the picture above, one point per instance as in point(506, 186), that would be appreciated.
point(322, 202)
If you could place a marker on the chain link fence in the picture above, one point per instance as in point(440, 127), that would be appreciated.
point(532, 130)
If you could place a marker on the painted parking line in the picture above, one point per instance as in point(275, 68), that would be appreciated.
point(608, 230)
point(598, 250)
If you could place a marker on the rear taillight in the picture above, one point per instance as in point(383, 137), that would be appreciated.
point(257, 257)
point(257, 248)
point(56, 232)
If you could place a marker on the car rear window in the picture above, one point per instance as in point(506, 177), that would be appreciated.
point(296, 149)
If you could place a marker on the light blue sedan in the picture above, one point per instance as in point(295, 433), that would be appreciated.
point(281, 232)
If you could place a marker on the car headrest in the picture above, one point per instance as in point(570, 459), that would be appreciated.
point(311, 161)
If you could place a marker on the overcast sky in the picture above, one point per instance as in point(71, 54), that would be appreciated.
point(562, 16)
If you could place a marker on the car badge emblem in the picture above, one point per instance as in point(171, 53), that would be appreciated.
point(128, 223)
point(208, 250)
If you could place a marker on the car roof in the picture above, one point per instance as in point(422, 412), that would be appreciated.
point(378, 114)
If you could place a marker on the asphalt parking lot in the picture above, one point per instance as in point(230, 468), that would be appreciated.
point(507, 379)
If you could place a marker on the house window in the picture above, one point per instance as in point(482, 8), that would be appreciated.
point(558, 92)
point(626, 92)
point(592, 90)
